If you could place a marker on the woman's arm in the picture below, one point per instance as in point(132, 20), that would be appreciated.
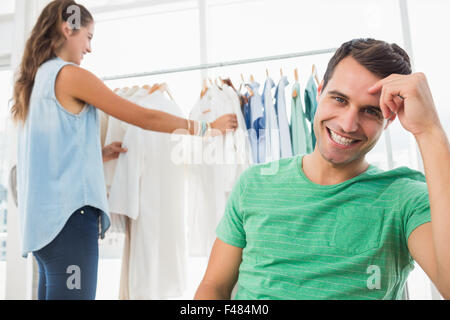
point(81, 84)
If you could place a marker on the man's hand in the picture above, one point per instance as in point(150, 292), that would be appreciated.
point(408, 97)
point(112, 151)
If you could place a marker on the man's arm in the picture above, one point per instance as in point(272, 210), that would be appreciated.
point(221, 274)
point(409, 98)
point(429, 243)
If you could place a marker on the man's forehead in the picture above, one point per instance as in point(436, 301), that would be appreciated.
point(349, 72)
point(353, 80)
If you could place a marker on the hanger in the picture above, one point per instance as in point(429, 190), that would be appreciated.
point(204, 88)
point(314, 73)
point(134, 89)
point(227, 82)
point(164, 88)
point(217, 83)
point(267, 73)
point(152, 88)
point(252, 79)
point(295, 93)
point(149, 89)
point(281, 72)
point(221, 82)
point(242, 83)
point(130, 91)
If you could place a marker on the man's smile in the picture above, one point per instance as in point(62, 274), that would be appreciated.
point(341, 141)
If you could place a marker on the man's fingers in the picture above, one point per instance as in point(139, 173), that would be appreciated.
point(391, 100)
point(375, 88)
point(381, 83)
point(384, 108)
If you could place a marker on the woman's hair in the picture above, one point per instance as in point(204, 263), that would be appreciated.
point(379, 57)
point(45, 40)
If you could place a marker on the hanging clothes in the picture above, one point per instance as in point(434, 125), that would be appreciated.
point(202, 190)
point(241, 143)
point(149, 187)
point(216, 164)
point(228, 155)
point(245, 107)
point(311, 106)
point(257, 132)
point(271, 120)
point(300, 132)
point(115, 132)
point(283, 122)
point(104, 118)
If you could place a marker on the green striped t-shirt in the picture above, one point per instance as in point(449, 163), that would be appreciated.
point(302, 240)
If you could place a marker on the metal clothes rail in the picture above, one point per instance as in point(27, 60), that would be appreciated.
point(220, 64)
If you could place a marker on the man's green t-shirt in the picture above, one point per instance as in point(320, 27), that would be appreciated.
point(302, 240)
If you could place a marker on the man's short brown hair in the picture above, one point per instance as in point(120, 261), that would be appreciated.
point(379, 57)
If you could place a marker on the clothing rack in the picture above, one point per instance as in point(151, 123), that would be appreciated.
point(220, 64)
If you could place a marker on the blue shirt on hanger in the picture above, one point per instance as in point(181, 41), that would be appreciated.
point(283, 122)
point(271, 121)
point(311, 105)
point(300, 132)
point(257, 133)
point(246, 110)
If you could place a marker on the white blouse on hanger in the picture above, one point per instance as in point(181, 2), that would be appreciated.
point(149, 188)
point(217, 162)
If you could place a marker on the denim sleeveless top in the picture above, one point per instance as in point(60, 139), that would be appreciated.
point(60, 167)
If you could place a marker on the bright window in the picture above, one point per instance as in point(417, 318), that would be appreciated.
point(5, 96)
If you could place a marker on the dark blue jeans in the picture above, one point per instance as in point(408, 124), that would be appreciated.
point(68, 265)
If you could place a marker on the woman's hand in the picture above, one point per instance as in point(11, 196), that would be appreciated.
point(224, 124)
point(112, 151)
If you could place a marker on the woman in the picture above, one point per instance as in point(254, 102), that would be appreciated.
point(62, 197)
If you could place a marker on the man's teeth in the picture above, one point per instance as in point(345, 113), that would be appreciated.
point(340, 139)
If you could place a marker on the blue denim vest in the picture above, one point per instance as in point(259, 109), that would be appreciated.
point(60, 166)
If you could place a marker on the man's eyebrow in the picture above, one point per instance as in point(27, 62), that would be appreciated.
point(338, 93)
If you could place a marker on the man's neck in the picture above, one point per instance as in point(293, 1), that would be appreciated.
point(323, 172)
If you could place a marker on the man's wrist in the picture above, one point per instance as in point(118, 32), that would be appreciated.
point(434, 133)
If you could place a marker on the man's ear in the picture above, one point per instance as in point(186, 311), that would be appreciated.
point(319, 90)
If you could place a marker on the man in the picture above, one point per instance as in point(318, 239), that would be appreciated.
point(329, 225)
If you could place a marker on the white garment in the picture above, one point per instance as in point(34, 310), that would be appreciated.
point(149, 187)
point(116, 132)
point(103, 126)
point(242, 143)
point(217, 163)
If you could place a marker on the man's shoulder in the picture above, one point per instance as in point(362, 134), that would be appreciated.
point(403, 183)
point(399, 176)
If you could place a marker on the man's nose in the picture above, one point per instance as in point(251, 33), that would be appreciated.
point(349, 120)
